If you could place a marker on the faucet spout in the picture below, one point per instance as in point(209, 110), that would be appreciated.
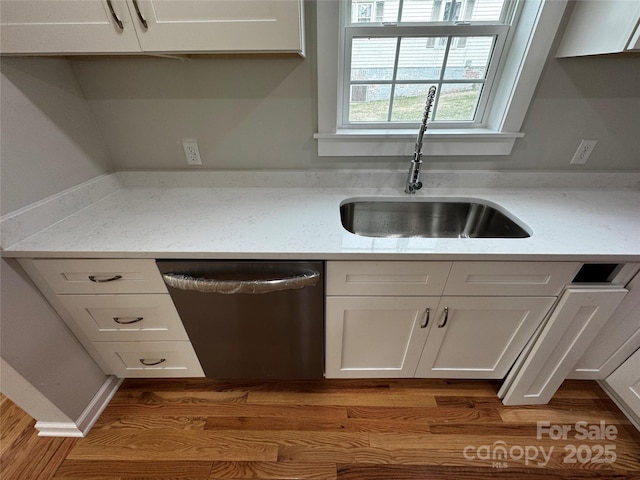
point(413, 179)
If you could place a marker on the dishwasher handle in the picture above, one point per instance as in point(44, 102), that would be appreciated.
point(209, 285)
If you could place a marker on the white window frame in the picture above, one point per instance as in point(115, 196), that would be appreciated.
point(518, 76)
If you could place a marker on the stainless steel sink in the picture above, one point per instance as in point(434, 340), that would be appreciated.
point(429, 219)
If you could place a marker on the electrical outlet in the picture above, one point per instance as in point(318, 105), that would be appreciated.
point(584, 150)
point(191, 152)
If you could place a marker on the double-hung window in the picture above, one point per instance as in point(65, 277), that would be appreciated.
point(378, 58)
point(394, 50)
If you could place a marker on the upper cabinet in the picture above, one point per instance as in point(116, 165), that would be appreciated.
point(601, 26)
point(151, 26)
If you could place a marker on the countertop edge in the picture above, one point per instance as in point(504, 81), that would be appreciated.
point(390, 256)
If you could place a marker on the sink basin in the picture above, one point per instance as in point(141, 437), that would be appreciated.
point(429, 219)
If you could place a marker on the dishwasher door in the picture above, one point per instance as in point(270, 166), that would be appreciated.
point(251, 319)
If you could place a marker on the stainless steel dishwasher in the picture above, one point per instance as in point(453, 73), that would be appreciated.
point(251, 319)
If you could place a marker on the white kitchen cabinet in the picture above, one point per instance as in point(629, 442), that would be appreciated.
point(376, 337)
point(572, 326)
point(377, 316)
point(624, 383)
point(387, 319)
point(121, 311)
point(600, 27)
point(479, 337)
point(151, 26)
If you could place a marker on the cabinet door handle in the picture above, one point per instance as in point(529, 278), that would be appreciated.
point(426, 319)
point(142, 20)
point(127, 322)
point(104, 280)
point(446, 317)
point(148, 363)
point(115, 16)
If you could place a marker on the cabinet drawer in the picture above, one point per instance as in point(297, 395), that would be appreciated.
point(510, 278)
point(68, 276)
point(386, 278)
point(150, 359)
point(125, 317)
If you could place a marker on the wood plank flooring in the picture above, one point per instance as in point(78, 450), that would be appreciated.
point(198, 429)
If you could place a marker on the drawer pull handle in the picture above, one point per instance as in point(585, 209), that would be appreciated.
point(115, 16)
point(127, 322)
point(142, 19)
point(426, 319)
point(446, 317)
point(148, 363)
point(104, 280)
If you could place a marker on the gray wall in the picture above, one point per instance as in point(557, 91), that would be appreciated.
point(39, 346)
point(260, 113)
point(49, 142)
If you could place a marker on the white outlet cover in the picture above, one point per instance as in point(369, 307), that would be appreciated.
point(191, 152)
point(582, 153)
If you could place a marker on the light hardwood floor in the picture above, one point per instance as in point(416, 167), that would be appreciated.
point(197, 429)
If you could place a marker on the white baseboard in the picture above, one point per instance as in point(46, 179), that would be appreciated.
point(58, 429)
point(87, 418)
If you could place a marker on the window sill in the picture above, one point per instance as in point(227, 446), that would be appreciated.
point(385, 143)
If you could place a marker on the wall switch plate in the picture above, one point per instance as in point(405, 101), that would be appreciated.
point(584, 150)
point(191, 152)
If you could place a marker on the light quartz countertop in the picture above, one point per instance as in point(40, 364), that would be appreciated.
point(590, 224)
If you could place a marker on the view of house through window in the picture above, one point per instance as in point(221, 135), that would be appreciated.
point(396, 49)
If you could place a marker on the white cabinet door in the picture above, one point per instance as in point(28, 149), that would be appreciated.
point(219, 25)
point(572, 326)
point(375, 337)
point(66, 26)
point(475, 337)
point(600, 27)
point(625, 382)
point(618, 339)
